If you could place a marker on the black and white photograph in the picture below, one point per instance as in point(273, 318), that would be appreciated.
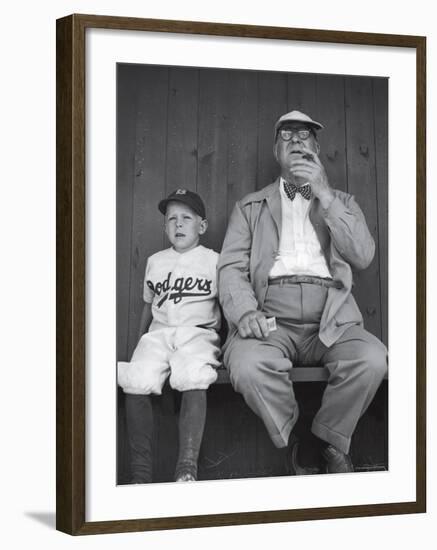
point(218, 290)
point(251, 274)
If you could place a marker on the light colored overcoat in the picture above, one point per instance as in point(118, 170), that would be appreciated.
point(251, 244)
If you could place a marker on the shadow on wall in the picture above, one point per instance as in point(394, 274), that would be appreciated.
point(46, 518)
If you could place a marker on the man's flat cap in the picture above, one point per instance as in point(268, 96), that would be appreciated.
point(297, 116)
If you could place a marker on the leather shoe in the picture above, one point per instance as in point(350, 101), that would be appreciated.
point(336, 461)
point(293, 466)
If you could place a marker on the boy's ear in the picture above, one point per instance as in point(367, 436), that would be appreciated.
point(203, 226)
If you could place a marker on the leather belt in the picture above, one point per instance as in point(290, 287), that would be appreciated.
point(309, 279)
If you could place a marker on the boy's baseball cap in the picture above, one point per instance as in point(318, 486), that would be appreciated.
point(187, 197)
point(297, 116)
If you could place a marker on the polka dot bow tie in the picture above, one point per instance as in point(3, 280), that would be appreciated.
point(291, 190)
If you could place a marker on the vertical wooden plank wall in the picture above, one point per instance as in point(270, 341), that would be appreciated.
point(380, 94)
point(243, 120)
point(183, 107)
point(150, 167)
point(212, 151)
point(361, 166)
point(330, 108)
point(272, 102)
point(126, 139)
point(211, 130)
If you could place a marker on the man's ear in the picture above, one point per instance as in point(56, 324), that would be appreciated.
point(318, 148)
point(203, 226)
point(275, 150)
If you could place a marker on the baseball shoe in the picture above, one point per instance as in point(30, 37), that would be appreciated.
point(186, 471)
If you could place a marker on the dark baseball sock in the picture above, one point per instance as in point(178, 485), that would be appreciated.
point(191, 425)
point(139, 420)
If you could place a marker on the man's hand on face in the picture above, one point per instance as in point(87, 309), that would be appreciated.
point(309, 167)
point(253, 324)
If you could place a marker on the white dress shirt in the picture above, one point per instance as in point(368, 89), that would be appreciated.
point(299, 248)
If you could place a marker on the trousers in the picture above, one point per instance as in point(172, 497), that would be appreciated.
point(187, 354)
point(260, 369)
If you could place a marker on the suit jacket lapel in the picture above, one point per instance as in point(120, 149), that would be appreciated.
point(320, 227)
point(274, 205)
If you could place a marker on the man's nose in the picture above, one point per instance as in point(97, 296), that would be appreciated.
point(295, 138)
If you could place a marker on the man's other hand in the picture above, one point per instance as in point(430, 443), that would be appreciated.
point(253, 324)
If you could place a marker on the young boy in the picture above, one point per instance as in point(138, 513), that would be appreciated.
point(177, 336)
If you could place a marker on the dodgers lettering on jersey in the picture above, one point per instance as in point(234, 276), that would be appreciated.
point(182, 288)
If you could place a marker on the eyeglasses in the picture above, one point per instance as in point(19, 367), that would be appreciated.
point(287, 133)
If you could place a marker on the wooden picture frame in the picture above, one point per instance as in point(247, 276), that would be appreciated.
point(71, 273)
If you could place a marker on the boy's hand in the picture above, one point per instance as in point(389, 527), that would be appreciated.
point(253, 324)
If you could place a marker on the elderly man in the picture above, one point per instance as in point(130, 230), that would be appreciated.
point(288, 254)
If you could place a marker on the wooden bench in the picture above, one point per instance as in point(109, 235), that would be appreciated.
point(297, 374)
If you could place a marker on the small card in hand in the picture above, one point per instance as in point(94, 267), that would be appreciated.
point(271, 323)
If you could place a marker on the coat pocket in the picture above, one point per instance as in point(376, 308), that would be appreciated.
point(348, 313)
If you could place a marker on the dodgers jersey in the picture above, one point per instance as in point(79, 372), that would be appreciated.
point(182, 288)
